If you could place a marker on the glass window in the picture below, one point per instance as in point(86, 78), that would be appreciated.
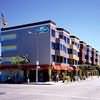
point(87, 49)
point(57, 46)
point(53, 58)
point(78, 46)
point(70, 51)
point(73, 42)
point(61, 35)
point(92, 58)
point(61, 59)
point(96, 55)
point(64, 60)
point(86, 57)
point(96, 60)
point(75, 52)
point(65, 39)
point(53, 32)
point(92, 52)
point(61, 47)
point(75, 62)
point(57, 59)
point(8, 37)
point(70, 61)
point(8, 48)
point(64, 48)
point(79, 54)
point(68, 40)
point(53, 45)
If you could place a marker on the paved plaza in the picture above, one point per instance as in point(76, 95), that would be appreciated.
point(83, 90)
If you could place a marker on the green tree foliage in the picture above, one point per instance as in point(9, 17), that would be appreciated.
point(19, 60)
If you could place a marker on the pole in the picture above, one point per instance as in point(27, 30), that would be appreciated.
point(37, 69)
point(37, 65)
point(49, 71)
point(36, 73)
point(28, 80)
point(37, 55)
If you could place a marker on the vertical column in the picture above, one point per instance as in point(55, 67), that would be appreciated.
point(28, 80)
point(50, 72)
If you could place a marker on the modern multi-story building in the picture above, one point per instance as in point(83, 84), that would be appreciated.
point(48, 49)
point(63, 42)
point(41, 43)
point(88, 59)
point(82, 52)
point(94, 55)
point(74, 50)
point(88, 54)
point(97, 58)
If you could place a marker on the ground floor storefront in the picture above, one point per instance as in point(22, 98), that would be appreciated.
point(23, 73)
point(87, 71)
point(43, 73)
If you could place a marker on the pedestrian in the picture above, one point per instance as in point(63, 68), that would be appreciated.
point(57, 77)
point(63, 77)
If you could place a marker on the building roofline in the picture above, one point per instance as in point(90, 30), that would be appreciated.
point(72, 36)
point(62, 29)
point(30, 24)
point(94, 49)
point(89, 46)
point(82, 42)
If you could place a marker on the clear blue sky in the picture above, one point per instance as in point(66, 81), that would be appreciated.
point(81, 17)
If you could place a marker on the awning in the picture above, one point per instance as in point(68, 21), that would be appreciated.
point(59, 67)
point(70, 69)
point(56, 67)
point(64, 67)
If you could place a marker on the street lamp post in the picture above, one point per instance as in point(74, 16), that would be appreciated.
point(37, 67)
point(28, 80)
point(37, 53)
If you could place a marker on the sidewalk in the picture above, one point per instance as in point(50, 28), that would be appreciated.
point(47, 83)
point(61, 83)
point(92, 77)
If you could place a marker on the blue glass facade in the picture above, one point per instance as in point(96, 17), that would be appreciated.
point(22, 42)
point(33, 42)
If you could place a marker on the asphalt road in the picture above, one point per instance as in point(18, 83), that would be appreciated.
point(83, 90)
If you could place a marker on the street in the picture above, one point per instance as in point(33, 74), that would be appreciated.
point(82, 90)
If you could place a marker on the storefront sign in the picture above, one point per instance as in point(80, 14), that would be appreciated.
point(42, 29)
